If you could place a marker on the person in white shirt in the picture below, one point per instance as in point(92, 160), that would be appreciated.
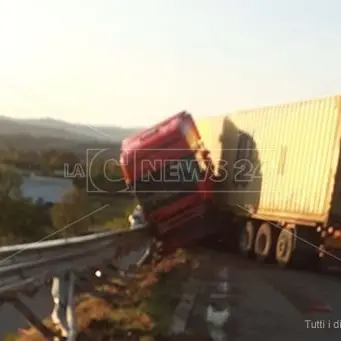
point(137, 218)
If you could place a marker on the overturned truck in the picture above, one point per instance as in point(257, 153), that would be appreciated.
point(267, 181)
point(166, 167)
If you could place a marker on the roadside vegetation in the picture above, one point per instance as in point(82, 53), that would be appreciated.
point(23, 220)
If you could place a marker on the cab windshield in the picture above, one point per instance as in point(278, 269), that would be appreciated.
point(167, 180)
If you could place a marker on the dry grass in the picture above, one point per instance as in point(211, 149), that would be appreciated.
point(141, 309)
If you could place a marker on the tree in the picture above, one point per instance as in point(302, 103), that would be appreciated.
point(23, 221)
point(10, 183)
point(54, 159)
point(71, 215)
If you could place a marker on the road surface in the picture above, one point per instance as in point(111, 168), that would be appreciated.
point(264, 302)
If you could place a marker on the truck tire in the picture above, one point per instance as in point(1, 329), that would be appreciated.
point(285, 248)
point(296, 248)
point(247, 238)
point(265, 242)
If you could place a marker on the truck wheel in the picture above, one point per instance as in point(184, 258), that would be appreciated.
point(265, 242)
point(246, 239)
point(296, 248)
point(285, 247)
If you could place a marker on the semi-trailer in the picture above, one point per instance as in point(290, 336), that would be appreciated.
point(280, 179)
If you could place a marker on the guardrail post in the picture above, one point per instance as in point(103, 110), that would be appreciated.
point(63, 315)
point(70, 309)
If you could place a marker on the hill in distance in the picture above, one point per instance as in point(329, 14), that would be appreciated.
point(47, 127)
point(46, 133)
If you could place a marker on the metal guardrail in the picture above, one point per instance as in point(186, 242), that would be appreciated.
point(26, 267)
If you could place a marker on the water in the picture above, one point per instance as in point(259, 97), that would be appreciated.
point(47, 188)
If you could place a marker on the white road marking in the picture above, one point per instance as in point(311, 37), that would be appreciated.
point(223, 273)
point(184, 307)
point(216, 319)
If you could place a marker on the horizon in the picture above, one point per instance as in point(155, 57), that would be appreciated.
point(84, 64)
point(49, 118)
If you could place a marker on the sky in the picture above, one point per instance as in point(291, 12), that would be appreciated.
point(133, 63)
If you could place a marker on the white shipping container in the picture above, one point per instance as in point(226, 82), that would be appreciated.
point(291, 159)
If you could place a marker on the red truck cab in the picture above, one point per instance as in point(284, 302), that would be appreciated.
point(169, 171)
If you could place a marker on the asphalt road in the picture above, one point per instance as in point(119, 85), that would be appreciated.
point(266, 303)
point(282, 305)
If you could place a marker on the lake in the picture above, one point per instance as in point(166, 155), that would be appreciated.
point(49, 189)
